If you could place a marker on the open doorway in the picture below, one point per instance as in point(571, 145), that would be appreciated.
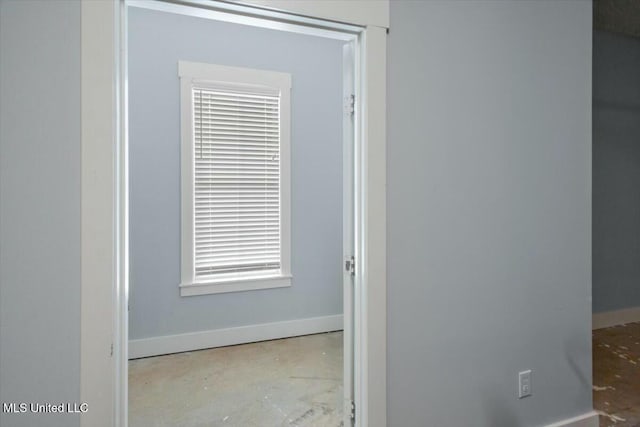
point(255, 186)
point(105, 197)
point(616, 212)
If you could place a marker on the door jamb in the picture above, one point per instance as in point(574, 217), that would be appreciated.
point(104, 227)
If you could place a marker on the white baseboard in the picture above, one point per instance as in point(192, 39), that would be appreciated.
point(590, 419)
point(156, 346)
point(614, 318)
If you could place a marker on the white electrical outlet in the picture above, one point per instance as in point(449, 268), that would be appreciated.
point(524, 384)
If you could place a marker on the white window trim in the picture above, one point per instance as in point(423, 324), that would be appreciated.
point(201, 75)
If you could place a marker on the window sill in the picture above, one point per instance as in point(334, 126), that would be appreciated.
point(191, 289)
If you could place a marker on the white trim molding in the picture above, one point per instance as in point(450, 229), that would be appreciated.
point(248, 284)
point(100, 379)
point(370, 317)
point(607, 319)
point(359, 12)
point(239, 13)
point(156, 346)
point(590, 419)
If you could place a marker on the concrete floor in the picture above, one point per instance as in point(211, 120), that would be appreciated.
point(288, 382)
point(616, 375)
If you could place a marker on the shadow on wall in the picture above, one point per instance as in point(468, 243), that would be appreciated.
point(573, 350)
point(496, 409)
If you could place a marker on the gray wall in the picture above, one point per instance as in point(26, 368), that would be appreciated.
point(489, 210)
point(489, 203)
point(39, 207)
point(157, 41)
point(616, 171)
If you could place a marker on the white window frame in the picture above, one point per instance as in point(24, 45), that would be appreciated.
point(197, 74)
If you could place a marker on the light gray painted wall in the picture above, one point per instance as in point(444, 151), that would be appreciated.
point(616, 171)
point(39, 207)
point(157, 41)
point(489, 210)
point(489, 204)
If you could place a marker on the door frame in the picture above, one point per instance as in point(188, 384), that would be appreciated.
point(104, 193)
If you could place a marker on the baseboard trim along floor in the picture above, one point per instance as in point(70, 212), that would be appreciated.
point(590, 419)
point(168, 344)
point(614, 318)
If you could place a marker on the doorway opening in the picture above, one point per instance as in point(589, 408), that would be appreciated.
point(105, 197)
point(257, 189)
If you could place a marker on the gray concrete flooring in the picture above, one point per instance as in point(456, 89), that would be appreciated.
point(288, 382)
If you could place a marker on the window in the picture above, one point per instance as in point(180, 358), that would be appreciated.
point(235, 178)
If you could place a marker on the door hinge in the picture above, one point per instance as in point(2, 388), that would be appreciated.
point(111, 350)
point(353, 412)
point(350, 105)
point(350, 265)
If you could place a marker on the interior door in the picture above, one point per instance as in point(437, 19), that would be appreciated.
point(348, 230)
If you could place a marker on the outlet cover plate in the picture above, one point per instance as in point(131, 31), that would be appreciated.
point(524, 384)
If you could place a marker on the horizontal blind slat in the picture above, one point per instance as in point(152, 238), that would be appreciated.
point(238, 97)
point(221, 262)
point(234, 234)
point(203, 273)
point(265, 243)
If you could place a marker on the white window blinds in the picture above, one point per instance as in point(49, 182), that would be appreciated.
point(236, 183)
